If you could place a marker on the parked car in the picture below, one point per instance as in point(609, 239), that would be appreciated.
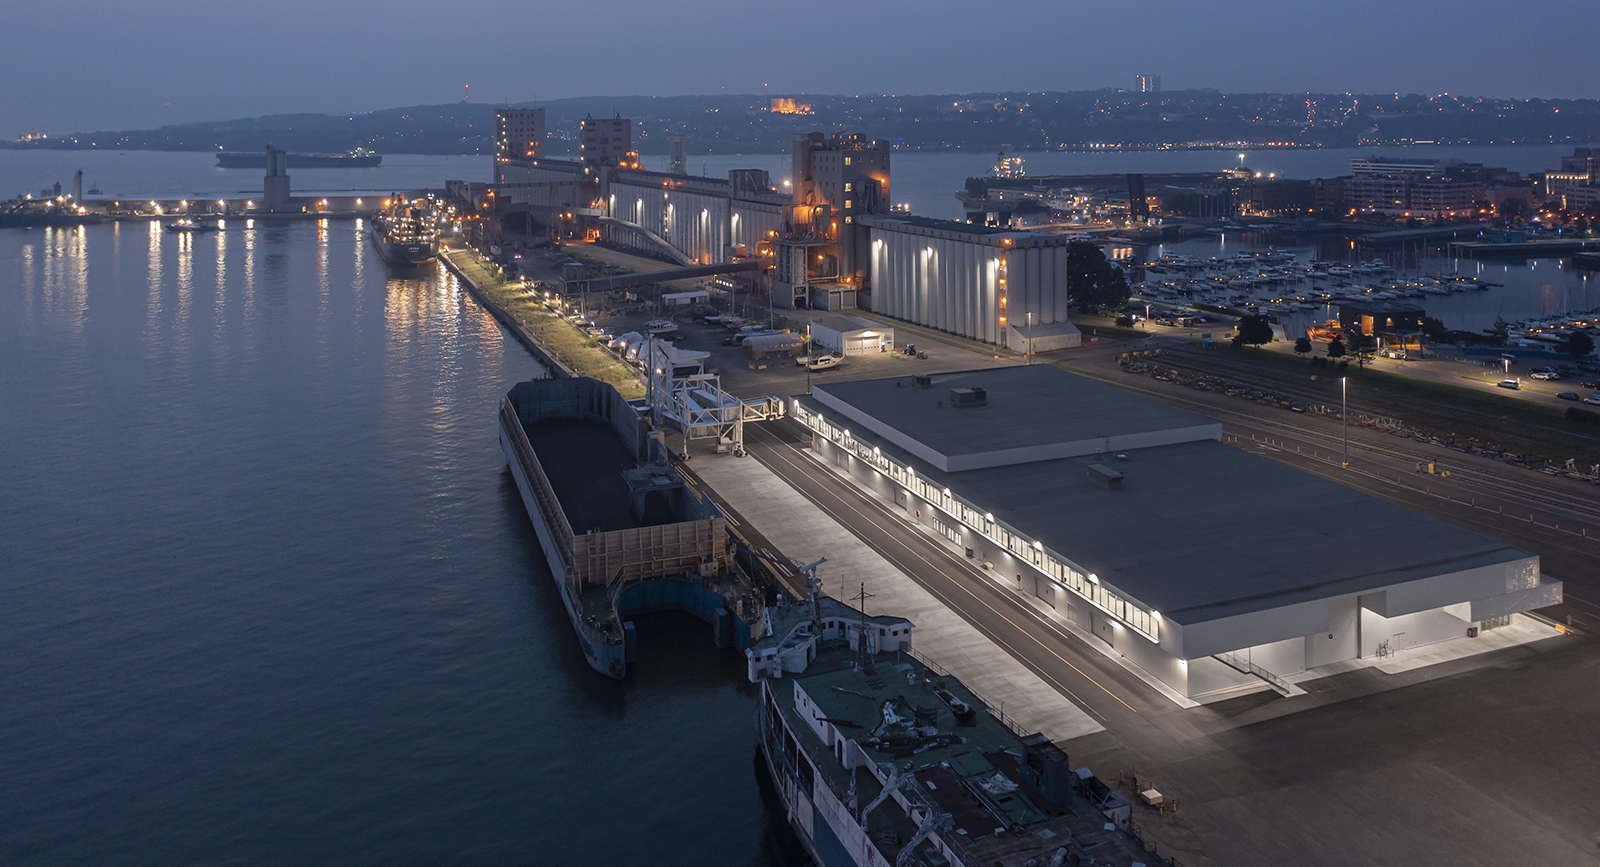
point(1546, 375)
point(1508, 383)
point(1568, 395)
point(1593, 399)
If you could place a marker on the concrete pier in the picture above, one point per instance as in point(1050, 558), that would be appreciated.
point(800, 529)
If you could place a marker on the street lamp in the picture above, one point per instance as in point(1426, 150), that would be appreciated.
point(1344, 416)
point(1030, 338)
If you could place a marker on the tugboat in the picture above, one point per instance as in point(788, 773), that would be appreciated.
point(408, 232)
point(189, 225)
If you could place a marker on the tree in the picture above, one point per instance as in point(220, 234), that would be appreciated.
point(1254, 330)
point(1302, 345)
point(1511, 209)
point(1435, 330)
point(1500, 332)
point(1092, 281)
point(1336, 347)
point(1361, 346)
point(1579, 344)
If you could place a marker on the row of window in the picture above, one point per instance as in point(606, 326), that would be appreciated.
point(1032, 552)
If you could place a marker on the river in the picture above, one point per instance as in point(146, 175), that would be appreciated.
point(269, 594)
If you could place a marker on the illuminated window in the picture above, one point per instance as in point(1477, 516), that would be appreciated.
point(847, 186)
point(847, 161)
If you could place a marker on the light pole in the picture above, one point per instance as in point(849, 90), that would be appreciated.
point(1344, 416)
point(1030, 338)
point(808, 357)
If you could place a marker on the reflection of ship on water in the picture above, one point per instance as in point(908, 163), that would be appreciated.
point(360, 158)
point(407, 233)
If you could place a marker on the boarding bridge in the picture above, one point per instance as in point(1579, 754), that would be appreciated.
point(683, 397)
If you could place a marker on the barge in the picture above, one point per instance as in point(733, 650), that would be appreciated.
point(621, 530)
point(882, 758)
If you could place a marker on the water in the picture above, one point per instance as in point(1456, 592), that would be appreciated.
point(195, 175)
point(269, 594)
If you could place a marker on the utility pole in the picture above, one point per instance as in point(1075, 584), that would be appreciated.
point(1030, 337)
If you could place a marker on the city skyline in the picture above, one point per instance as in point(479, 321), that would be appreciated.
point(348, 59)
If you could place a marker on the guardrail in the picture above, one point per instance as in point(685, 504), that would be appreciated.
point(1241, 663)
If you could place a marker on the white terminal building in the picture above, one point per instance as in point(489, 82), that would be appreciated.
point(1208, 567)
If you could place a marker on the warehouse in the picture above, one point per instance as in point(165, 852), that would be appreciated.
point(980, 283)
point(852, 335)
point(1208, 567)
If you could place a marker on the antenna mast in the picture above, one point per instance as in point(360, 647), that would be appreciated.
point(863, 658)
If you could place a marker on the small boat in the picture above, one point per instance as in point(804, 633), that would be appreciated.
point(94, 189)
point(189, 225)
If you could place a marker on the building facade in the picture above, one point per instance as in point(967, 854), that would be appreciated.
point(969, 280)
point(606, 141)
point(518, 133)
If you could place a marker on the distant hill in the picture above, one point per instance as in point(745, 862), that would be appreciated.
point(988, 121)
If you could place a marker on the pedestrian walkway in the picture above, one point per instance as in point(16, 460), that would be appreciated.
point(801, 530)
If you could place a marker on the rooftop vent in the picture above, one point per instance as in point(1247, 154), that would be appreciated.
point(923, 380)
point(1105, 477)
point(968, 397)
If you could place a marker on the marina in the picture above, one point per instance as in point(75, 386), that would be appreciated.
point(1300, 285)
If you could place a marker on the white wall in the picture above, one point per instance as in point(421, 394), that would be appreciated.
point(1408, 630)
point(1342, 640)
point(696, 224)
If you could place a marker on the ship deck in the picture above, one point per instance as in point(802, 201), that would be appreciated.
point(584, 462)
point(1008, 829)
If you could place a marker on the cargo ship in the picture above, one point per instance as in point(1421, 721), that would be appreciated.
point(882, 759)
point(360, 158)
point(621, 530)
point(407, 232)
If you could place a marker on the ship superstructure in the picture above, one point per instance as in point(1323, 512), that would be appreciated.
point(881, 758)
point(407, 232)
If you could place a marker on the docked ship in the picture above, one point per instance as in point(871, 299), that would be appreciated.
point(360, 158)
point(407, 233)
point(620, 529)
point(881, 759)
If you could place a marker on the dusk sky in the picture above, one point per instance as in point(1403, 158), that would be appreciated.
point(109, 65)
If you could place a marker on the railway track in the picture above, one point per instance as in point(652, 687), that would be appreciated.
point(1525, 484)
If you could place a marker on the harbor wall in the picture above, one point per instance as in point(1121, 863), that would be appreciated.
point(558, 369)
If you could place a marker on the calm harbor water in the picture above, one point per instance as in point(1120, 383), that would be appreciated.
point(269, 594)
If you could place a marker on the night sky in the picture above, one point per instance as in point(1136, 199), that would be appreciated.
point(110, 65)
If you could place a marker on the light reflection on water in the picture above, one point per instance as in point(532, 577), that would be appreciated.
point(273, 591)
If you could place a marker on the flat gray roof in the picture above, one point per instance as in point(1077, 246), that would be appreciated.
point(1199, 530)
point(1028, 407)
